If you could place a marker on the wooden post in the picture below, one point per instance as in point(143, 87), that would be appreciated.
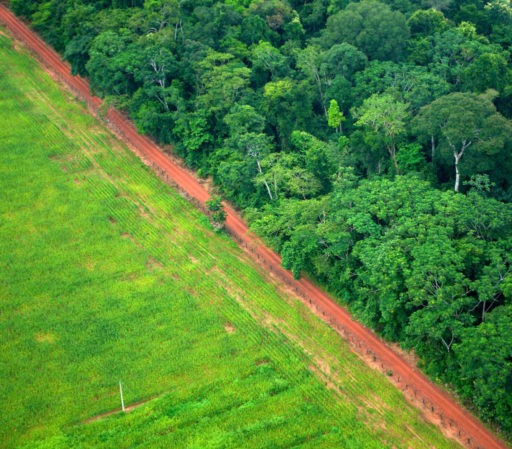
point(121, 393)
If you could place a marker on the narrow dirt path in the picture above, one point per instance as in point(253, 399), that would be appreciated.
point(436, 405)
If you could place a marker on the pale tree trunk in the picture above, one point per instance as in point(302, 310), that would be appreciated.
point(160, 73)
point(457, 156)
point(457, 173)
point(448, 344)
point(178, 26)
point(264, 180)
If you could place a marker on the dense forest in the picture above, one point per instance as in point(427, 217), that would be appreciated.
point(370, 143)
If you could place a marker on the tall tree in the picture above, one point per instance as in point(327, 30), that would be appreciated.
point(459, 123)
point(372, 27)
point(386, 116)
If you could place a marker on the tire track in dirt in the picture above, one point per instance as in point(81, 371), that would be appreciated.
point(437, 406)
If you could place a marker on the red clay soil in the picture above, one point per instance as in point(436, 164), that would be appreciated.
point(436, 405)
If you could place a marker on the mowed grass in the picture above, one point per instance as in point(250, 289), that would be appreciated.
point(108, 275)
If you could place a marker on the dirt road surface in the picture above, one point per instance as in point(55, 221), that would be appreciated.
point(436, 405)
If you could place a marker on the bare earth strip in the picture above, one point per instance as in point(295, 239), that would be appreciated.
point(436, 405)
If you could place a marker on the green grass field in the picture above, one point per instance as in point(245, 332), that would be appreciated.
point(107, 275)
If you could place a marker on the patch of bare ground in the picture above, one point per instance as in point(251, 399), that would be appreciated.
point(325, 377)
point(143, 212)
point(126, 235)
point(229, 328)
point(127, 409)
point(153, 264)
point(410, 356)
point(45, 337)
point(427, 412)
point(88, 263)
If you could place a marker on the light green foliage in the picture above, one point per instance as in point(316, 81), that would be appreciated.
point(335, 117)
point(109, 275)
point(410, 158)
point(222, 81)
point(387, 117)
point(284, 175)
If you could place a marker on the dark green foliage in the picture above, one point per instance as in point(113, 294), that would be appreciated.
point(340, 127)
point(424, 23)
point(372, 27)
point(217, 212)
point(485, 357)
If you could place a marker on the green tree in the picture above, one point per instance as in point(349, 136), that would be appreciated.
point(110, 66)
point(222, 80)
point(217, 212)
point(155, 69)
point(407, 82)
point(284, 175)
point(484, 356)
point(426, 22)
point(268, 58)
point(164, 13)
point(459, 123)
point(386, 116)
point(277, 13)
point(288, 106)
point(500, 17)
point(342, 60)
point(335, 117)
point(488, 71)
point(372, 27)
point(317, 157)
point(309, 61)
point(79, 31)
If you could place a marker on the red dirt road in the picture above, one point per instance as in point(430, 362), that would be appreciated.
point(437, 405)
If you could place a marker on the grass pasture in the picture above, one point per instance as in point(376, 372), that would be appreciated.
point(107, 274)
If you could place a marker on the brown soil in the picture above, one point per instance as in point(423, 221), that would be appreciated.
point(127, 409)
point(436, 404)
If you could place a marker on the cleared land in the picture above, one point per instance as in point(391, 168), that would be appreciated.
point(109, 275)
